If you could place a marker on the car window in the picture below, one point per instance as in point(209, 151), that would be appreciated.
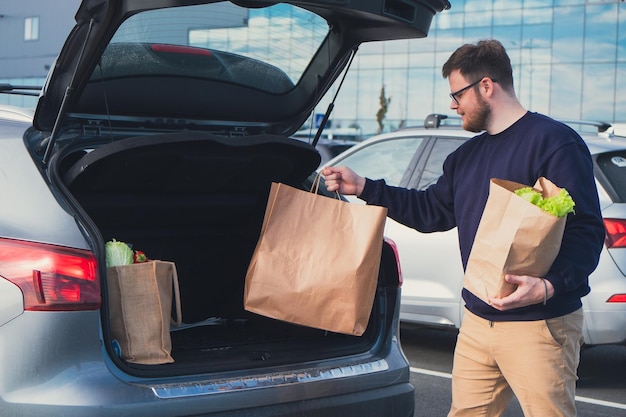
point(217, 41)
point(386, 160)
point(613, 166)
point(434, 165)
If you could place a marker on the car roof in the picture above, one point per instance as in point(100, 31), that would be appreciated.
point(603, 139)
point(123, 61)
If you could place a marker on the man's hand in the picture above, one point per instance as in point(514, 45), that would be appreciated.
point(343, 180)
point(530, 290)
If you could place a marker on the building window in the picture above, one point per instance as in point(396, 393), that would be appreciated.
point(31, 28)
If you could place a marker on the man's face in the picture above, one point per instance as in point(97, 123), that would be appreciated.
point(474, 110)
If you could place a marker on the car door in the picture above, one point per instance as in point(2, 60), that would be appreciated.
point(431, 262)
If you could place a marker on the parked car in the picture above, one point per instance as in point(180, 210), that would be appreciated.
point(331, 142)
point(431, 263)
point(329, 148)
point(15, 113)
point(163, 124)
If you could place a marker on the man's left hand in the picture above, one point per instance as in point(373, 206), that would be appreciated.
point(530, 290)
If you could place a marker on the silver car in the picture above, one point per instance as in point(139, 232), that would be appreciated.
point(431, 263)
point(163, 124)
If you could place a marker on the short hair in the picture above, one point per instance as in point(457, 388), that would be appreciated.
point(486, 58)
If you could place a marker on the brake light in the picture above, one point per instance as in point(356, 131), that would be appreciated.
point(617, 298)
point(615, 233)
point(394, 247)
point(52, 278)
point(180, 49)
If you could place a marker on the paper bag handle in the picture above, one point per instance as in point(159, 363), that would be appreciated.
point(179, 314)
point(316, 185)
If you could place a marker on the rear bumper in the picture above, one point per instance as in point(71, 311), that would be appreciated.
point(392, 401)
point(396, 401)
point(605, 322)
point(53, 370)
point(605, 326)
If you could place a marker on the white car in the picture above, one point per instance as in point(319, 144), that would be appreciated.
point(431, 263)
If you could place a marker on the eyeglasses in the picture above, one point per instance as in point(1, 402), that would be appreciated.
point(454, 95)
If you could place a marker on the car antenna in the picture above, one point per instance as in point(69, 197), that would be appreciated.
point(68, 93)
point(332, 103)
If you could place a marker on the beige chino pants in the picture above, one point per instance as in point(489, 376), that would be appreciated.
point(534, 360)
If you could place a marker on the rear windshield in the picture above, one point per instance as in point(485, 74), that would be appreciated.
point(613, 166)
point(218, 41)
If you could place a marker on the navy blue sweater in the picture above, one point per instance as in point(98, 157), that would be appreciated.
point(533, 147)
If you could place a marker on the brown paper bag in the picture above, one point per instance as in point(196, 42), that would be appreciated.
point(514, 237)
point(140, 310)
point(316, 262)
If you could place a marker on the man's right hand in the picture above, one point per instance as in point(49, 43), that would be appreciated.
point(343, 180)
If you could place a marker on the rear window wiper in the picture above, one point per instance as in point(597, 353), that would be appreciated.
point(23, 90)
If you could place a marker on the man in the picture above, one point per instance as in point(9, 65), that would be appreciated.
point(516, 345)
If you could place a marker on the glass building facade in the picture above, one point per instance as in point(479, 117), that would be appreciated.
point(568, 56)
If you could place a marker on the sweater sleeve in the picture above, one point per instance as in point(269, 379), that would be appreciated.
point(429, 210)
point(584, 230)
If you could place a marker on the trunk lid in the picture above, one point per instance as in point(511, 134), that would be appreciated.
point(122, 65)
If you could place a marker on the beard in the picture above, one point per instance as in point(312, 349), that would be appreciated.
point(476, 120)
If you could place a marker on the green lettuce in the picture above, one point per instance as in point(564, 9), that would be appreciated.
point(529, 194)
point(118, 253)
point(559, 205)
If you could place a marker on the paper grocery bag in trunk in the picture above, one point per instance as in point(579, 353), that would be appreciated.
point(140, 310)
point(316, 262)
point(514, 237)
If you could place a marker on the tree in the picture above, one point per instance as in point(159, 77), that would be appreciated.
point(382, 111)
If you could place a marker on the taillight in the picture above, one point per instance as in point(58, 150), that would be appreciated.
point(52, 278)
point(615, 233)
point(394, 247)
point(617, 298)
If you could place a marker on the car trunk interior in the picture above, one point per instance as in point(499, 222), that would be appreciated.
point(199, 200)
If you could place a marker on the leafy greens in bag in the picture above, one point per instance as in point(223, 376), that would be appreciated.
point(120, 253)
point(559, 205)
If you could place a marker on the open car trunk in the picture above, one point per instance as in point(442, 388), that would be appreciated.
point(199, 200)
